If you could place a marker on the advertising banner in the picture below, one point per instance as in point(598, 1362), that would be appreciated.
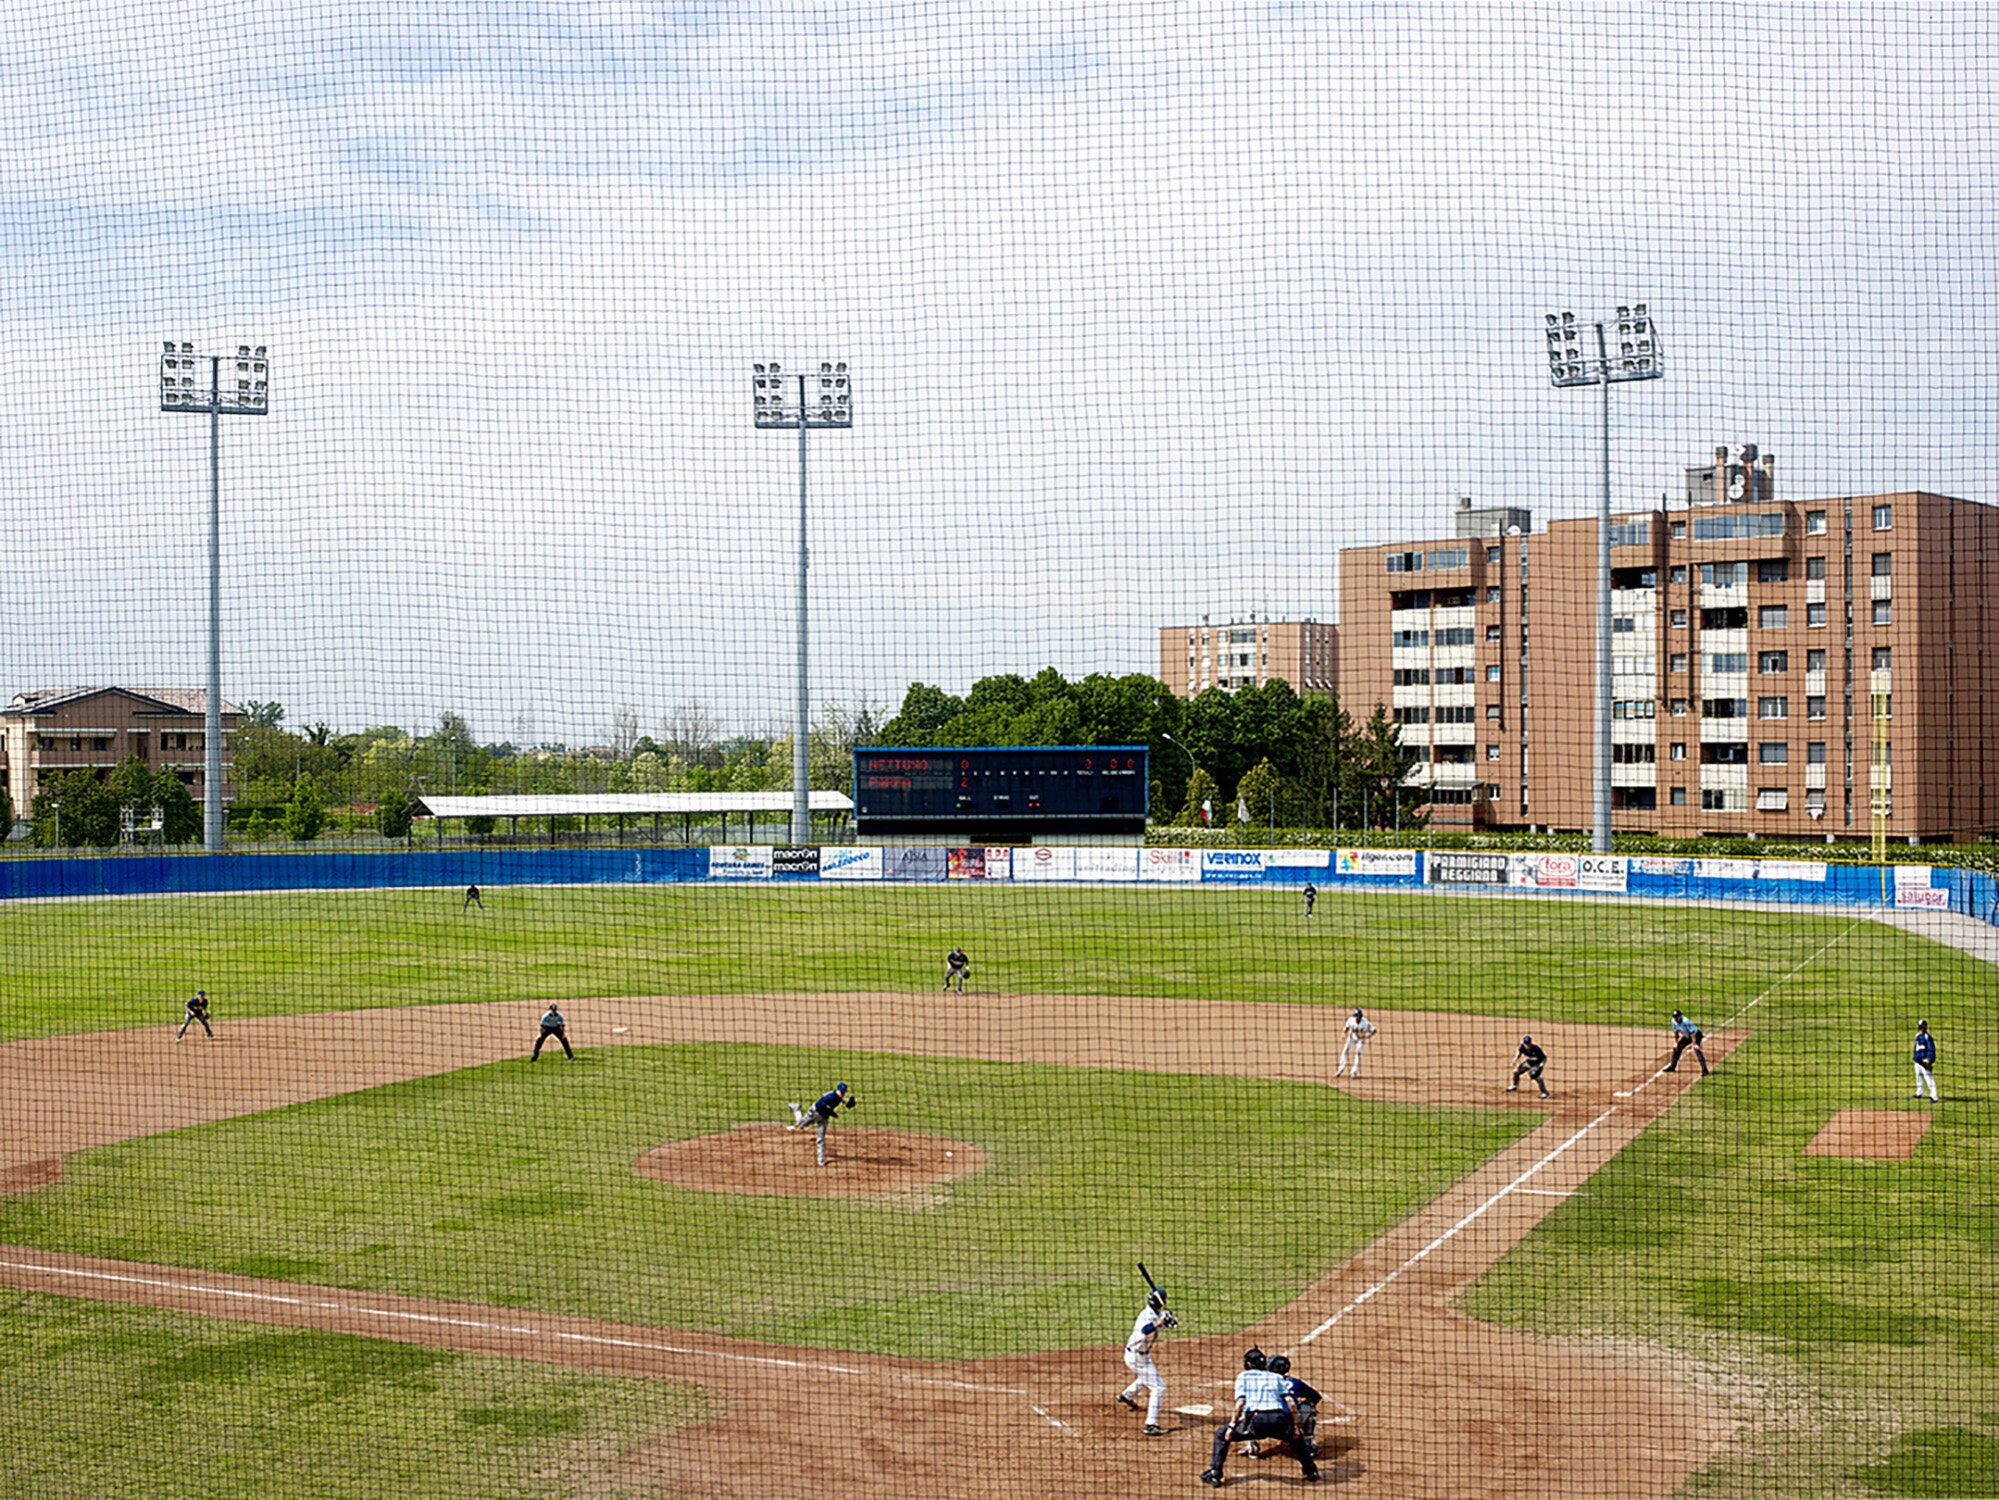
point(1791, 869)
point(1106, 862)
point(1046, 862)
point(1296, 859)
point(862, 862)
point(999, 863)
point(1661, 864)
point(965, 864)
point(912, 862)
point(1232, 864)
point(795, 859)
point(1912, 888)
point(1375, 864)
point(1452, 867)
point(740, 862)
point(1169, 864)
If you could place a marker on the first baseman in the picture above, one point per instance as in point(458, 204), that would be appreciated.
point(1359, 1029)
point(821, 1114)
point(1925, 1056)
point(1153, 1319)
point(957, 966)
point(1530, 1059)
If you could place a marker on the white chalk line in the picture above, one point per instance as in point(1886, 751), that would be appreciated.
point(517, 1330)
point(1515, 1186)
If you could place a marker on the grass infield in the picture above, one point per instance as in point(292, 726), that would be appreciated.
point(1846, 1304)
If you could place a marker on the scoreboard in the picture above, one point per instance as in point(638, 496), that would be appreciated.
point(1002, 794)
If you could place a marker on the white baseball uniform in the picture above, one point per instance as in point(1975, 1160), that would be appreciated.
point(1138, 1359)
point(1359, 1029)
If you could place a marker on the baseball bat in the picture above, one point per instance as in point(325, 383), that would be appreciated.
point(1148, 1276)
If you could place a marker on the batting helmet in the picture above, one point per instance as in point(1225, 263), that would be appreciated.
point(1280, 1364)
point(1157, 1301)
point(1252, 1358)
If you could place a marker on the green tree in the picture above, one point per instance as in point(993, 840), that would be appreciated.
point(394, 815)
point(924, 713)
point(131, 789)
point(89, 813)
point(1271, 801)
point(305, 814)
point(1379, 763)
point(6, 815)
point(180, 816)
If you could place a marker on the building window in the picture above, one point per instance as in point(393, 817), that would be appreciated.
point(1492, 556)
point(1679, 530)
point(1773, 799)
point(1728, 661)
point(1815, 616)
point(1884, 612)
point(1815, 801)
point(1884, 658)
point(1492, 593)
point(1773, 753)
point(1815, 706)
point(1815, 661)
point(1724, 708)
point(1679, 619)
point(1773, 617)
point(1679, 751)
point(1815, 569)
point(1677, 708)
point(1677, 662)
point(1679, 796)
point(1773, 570)
point(1884, 517)
point(1883, 565)
point(1492, 752)
point(1492, 632)
point(1771, 662)
point(1777, 707)
point(1623, 624)
point(1678, 573)
point(1724, 575)
point(1492, 672)
point(1815, 753)
point(1492, 712)
point(1814, 523)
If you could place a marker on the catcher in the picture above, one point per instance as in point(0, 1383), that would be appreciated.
point(1685, 1035)
point(1266, 1411)
point(1530, 1060)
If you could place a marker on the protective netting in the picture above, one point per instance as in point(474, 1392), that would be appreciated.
point(586, 399)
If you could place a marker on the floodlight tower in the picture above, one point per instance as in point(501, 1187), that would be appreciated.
point(803, 401)
point(247, 394)
point(1637, 358)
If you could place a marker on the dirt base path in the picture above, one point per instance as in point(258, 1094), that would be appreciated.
point(1426, 1401)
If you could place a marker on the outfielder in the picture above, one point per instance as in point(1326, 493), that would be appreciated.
point(1530, 1059)
point(197, 1010)
point(1359, 1029)
point(1265, 1411)
point(1685, 1035)
point(821, 1114)
point(1925, 1056)
point(1153, 1319)
point(1311, 897)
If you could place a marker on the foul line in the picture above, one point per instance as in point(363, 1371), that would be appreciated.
point(518, 1330)
point(1449, 1234)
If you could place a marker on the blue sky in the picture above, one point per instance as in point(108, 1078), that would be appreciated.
point(1151, 309)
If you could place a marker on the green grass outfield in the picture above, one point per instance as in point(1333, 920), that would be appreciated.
point(1849, 1304)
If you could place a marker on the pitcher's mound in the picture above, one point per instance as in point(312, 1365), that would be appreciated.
point(765, 1158)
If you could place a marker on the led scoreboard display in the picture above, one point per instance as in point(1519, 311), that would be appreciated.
point(1002, 793)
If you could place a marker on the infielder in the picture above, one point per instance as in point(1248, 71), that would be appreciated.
point(1530, 1059)
point(957, 966)
point(1265, 1410)
point(1359, 1029)
point(1685, 1035)
point(552, 1025)
point(1153, 1319)
point(1926, 1059)
point(197, 1010)
point(821, 1114)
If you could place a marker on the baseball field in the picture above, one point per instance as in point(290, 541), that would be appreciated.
point(356, 1244)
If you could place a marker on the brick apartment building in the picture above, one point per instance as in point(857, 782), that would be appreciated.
point(1249, 653)
point(1775, 664)
point(44, 736)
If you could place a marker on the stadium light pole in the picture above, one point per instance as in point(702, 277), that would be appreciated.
point(1190, 757)
point(1637, 358)
point(805, 400)
point(247, 394)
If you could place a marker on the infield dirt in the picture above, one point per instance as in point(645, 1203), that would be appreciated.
point(1425, 1402)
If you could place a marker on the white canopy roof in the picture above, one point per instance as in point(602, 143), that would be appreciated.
point(636, 804)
